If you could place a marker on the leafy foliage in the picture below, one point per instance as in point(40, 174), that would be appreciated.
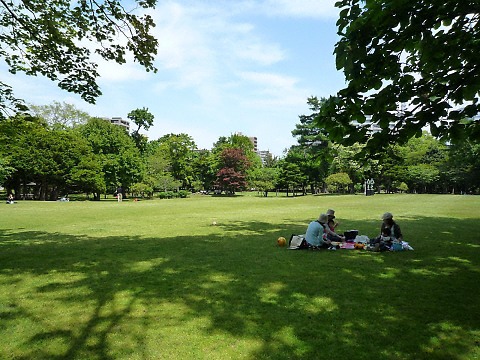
point(232, 175)
point(54, 38)
point(178, 150)
point(52, 159)
point(60, 114)
point(421, 54)
point(338, 182)
point(144, 120)
point(5, 170)
point(8, 102)
point(115, 150)
point(263, 179)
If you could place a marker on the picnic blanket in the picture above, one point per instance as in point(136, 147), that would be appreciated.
point(361, 242)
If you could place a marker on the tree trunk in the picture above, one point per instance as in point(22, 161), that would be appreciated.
point(43, 190)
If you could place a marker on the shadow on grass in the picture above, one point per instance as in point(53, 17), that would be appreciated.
point(104, 298)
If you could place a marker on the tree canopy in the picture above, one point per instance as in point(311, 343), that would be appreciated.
point(54, 39)
point(408, 65)
point(60, 114)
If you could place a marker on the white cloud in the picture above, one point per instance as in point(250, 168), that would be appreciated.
point(202, 47)
point(112, 72)
point(274, 90)
point(286, 8)
point(270, 80)
point(255, 51)
point(208, 37)
point(302, 8)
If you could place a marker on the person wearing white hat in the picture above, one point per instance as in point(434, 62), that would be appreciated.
point(317, 232)
point(315, 235)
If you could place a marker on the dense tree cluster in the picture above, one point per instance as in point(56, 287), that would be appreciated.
point(44, 158)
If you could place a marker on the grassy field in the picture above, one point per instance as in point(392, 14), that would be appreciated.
point(156, 280)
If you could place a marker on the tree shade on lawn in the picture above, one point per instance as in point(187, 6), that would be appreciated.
point(154, 279)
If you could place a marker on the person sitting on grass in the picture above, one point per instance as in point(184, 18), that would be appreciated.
point(331, 234)
point(383, 242)
point(389, 223)
point(331, 219)
point(332, 224)
point(389, 232)
point(10, 199)
point(317, 234)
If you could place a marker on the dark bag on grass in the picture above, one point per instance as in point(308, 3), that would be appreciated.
point(297, 242)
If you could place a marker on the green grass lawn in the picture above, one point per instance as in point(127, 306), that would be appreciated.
point(156, 280)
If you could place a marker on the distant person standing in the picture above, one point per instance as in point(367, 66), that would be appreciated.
point(119, 194)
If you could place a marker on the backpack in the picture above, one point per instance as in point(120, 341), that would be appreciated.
point(297, 242)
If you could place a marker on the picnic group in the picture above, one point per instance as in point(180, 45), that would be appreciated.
point(321, 234)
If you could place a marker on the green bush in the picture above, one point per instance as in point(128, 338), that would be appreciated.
point(183, 194)
point(166, 194)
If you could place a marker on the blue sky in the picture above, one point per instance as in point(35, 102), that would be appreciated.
point(223, 67)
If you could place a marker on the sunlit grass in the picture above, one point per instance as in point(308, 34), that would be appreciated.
point(156, 279)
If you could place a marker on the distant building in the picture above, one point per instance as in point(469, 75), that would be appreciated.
point(264, 155)
point(119, 122)
point(254, 141)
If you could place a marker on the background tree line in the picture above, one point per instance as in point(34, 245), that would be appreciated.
point(60, 150)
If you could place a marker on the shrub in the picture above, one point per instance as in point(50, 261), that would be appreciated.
point(183, 194)
point(166, 195)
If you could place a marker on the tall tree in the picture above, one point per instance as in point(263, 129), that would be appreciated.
point(263, 179)
point(5, 170)
point(115, 150)
point(88, 176)
point(422, 54)
point(290, 176)
point(204, 170)
point(60, 114)
point(307, 133)
point(313, 152)
point(54, 38)
point(232, 175)
point(462, 171)
point(178, 150)
point(144, 120)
